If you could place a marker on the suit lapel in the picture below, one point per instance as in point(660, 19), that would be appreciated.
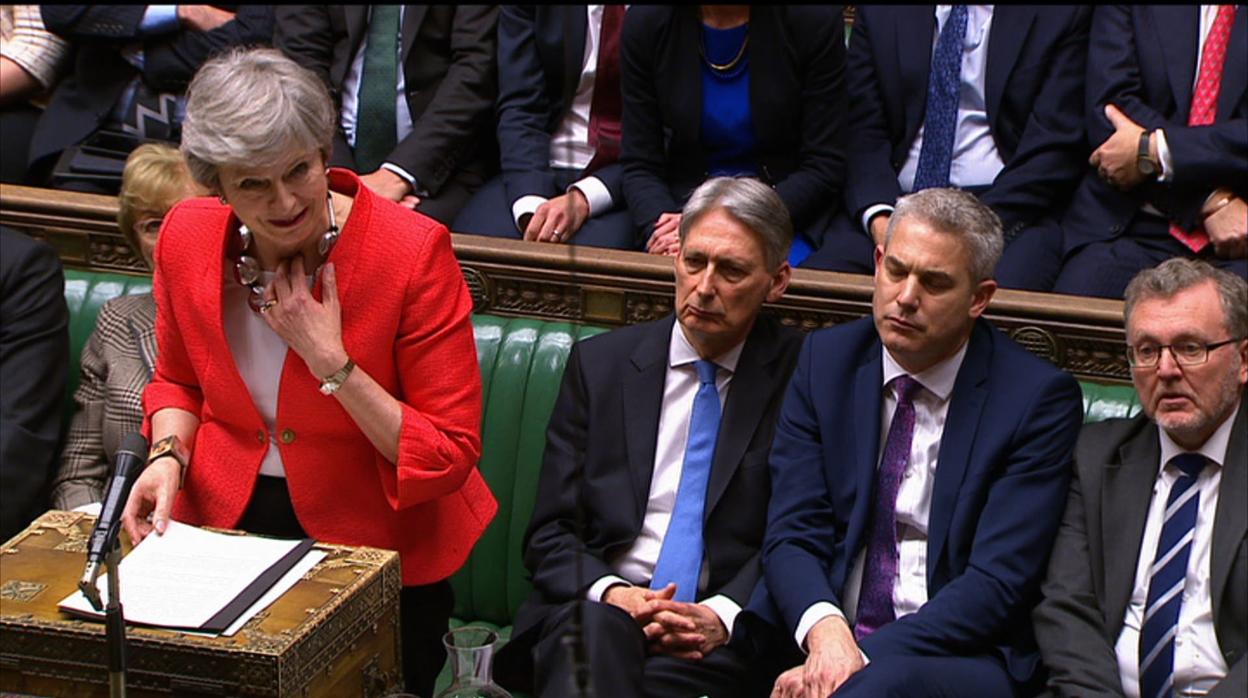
point(1178, 34)
point(643, 401)
point(356, 20)
point(413, 15)
point(742, 410)
point(1010, 25)
point(575, 28)
point(1126, 492)
point(966, 404)
point(867, 399)
point(914, 35)
point(1235, 69)
point(1230, 522)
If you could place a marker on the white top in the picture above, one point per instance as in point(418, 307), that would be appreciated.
point(976, 161)
point(259, 354)
point(1198, 661)
point(636, 564)
point(914, 495)
point(349, 116)
point(569, 144)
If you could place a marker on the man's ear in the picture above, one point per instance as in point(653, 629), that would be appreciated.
point(982, 296)
point(780, 282)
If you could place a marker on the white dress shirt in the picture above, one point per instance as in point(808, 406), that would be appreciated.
point(636, 564)
point(569, 145)
point(914, 495)
point(259, 354)
point(349, 116)
point(976, 161)
point(1198, 661)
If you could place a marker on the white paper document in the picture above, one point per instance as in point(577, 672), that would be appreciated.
point(188, 576)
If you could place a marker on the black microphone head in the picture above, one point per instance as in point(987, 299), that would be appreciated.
point(134, 444)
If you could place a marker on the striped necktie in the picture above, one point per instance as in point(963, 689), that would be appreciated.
point(1166, 578)
point(680, 557)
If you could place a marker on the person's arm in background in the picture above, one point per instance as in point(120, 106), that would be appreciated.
point(31, 58)
point(34, 363)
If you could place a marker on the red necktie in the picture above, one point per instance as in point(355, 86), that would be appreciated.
point(604, 110)
point(1205, 102)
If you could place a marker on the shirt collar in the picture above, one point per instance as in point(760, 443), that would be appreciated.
point(680, 352)
point(1214, 447)
point(938, 379)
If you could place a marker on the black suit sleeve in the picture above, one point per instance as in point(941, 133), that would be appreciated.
point(1052, 153)
point(93, 23)
point(305, 33)
point(171, 61)
point(552, 548)
point(1068, 622)
point(872, 178)
point(523, 106)
point(34, 363)
point(444, 136)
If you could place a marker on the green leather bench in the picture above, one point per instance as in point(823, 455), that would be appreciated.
point(521, 364)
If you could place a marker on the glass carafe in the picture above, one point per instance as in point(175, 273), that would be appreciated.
point(470, 650)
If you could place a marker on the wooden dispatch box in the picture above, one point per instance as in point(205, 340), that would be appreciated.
point(335, 633)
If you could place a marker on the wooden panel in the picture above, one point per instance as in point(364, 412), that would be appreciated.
point(611, 287)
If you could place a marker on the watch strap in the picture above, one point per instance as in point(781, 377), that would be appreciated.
point(172, 447)
point(332, 383)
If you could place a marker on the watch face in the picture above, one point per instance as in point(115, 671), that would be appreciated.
point(1146, 166)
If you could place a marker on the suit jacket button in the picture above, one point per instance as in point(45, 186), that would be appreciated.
point(1116, 229)
point(288, 436)
point(260, 436)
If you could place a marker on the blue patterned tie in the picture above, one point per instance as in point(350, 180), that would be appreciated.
point(680, 559)
point(944, 87)
point(1166, 577)
point(879, 572)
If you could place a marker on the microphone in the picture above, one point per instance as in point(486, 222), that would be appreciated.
point(128, 462)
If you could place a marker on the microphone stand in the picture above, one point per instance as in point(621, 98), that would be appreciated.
point(114, 618)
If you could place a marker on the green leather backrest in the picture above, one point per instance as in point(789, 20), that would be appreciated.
point(522, 364)
point(85, 293)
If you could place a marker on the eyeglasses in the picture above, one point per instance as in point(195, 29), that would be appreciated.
point(1185, 353)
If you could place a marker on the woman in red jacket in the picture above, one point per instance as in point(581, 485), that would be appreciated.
point(317, 372)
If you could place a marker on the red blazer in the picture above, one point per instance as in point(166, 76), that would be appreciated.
point(405, 320)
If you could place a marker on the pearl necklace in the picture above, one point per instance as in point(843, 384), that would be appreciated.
point(247, 269)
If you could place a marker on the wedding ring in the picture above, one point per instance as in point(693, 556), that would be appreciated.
point(267, 305)
point(555, 234)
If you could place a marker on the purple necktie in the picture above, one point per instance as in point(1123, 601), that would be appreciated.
point(875, 603)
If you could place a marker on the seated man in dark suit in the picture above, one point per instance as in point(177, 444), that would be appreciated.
point(1147, 592)
point(558, 128)
point(991, 104)
point(670, 496)
point(415, 86)
point(131, 66)
point(1167, 96)
point(34, 362)
point(920, 464)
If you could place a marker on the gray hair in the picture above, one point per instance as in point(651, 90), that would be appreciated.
point(753, 204)
point(253, 106)
point(1179, 274)
point(955, 212)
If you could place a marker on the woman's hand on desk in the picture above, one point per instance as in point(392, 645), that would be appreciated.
point(312, 329)
point(151, 500)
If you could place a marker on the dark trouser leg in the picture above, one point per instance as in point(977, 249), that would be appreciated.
point(424, 612)
point(845, 248)
point(1032, 260)
point(487, 213)
point(931, 677)
point(454, 195)
point(17, 125)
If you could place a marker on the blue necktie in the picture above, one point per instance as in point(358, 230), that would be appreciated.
point(680, 559)
point(1166, 578)
point(944, 87)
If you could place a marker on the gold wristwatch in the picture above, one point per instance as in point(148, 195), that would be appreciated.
point(330, 385)
point(171, 446)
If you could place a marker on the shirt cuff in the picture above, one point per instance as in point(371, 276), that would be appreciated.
point(1164, 159)
point(598, 588)
point(526, 206)
point(596, 193)
point(870, 213)
point(159, 19)
point(817, 612)
point(406, 176)
point(725, 608)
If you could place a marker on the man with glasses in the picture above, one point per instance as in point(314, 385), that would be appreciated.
point(1147, 590)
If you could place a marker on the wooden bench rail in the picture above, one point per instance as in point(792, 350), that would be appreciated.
point(609, 287)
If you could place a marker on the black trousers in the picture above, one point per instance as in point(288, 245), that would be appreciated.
point(424, 611)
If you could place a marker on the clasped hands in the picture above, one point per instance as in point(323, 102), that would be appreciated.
point(674, 628)
point(834, 657)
